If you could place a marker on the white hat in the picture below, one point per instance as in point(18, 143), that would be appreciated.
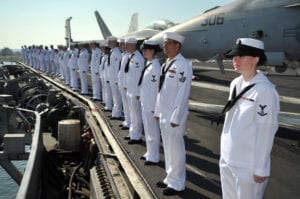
point(131, 40)
point(151, 42)
point(250, 42)
point(122, 40)
point(112, 38)
point(249, 47)
point(174, 36)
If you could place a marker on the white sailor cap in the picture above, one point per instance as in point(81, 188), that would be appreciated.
point(151, 44)
point(122, 40)
point(250, 42)
point(174, 36)
point(131, 40)
point(104, 43)
point(250, 47)
point(112, 38)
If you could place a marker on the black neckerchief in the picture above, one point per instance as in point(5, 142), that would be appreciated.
point(234, 98)
point(164, 70)
point(142, 74)
point(126, 69)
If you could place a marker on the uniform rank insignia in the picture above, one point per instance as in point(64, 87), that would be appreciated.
point(172, 71)
point(153, 78)
point(262, 112)
point(182, 78)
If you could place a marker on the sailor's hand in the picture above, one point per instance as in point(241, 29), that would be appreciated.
point(173, 125)
point(259, 179)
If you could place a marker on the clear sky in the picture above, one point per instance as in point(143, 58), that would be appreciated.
point(42, 21)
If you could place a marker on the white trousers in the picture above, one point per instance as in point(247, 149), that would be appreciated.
point(174, 150)
point(152, 135)
point(74, 78)
point(68, 76)
point(103, 91)
point(96, 85)
point(53, 69)
point(84, 82)
point(136, 123)
point(108, 99)
point(238, 183)
point(61, 69)
point(123, 93)
point(117, 100)
point(47, 64)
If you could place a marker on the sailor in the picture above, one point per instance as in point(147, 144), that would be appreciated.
point(23, 53)
point(41, 59)
point(83, 66)
point(52, 64)
point(60, 62)
point(31, 55)
point(73, 66)
point(172, 110)
point(56, 60)
point(149, 83)
point(133, 69)
point(113, 67)
point(95, 61)
point(106, 91)
point(47, 59)
point(250, 125)
point(65, 61)
point(121, 78)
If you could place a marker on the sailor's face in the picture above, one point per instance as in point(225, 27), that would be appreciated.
point(245, 63)
point(130, 47)
point(171, 47)
point(148, 53)
point(112, 44)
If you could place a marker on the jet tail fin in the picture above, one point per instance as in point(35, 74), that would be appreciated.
point(68, 31)
point(133, 23)
point(103, 27)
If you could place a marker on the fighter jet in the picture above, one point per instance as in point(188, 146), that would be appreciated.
point(154, 28)
point(102, 25)
point(275, 22)
point(68, 36)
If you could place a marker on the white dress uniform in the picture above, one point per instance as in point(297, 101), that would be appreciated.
point(83, 66)
point(113, 67)
point(66, 57)
point(52, 64)
point(95, 61)
point(31, 56)
point(73, 65)
point(60, 62)
point(47, 61)
point(172, 107)
point(247, 138)
point(132, 77)
point(23, 54)
point(148, 94)
point(108, 93)
point(123, 92)
point(42, 58)
point(56, 60)
point(101, 75)
point(36, 57)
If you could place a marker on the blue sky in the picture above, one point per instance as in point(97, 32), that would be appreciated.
point(42, 21)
